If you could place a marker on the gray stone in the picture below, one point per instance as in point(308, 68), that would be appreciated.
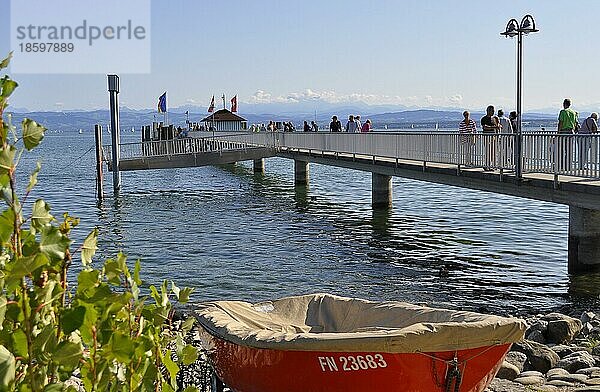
point(592, 381)
point(537, 336)
point(531, 373)
point(539, 357)
point(516, 358)
point(588, 371)
point(556, 372)
point(537, 325)
point(499, 385)
point(579, 360)
point(596, 350)
point(588, 389)
point(563, 350)
point(586, 317)
point(586, 329)
point(572, 378)
point(530, 380)
point(561, 328)
point(560, 383)
point(507, 371)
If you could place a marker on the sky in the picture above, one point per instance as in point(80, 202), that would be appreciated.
point(401, 52)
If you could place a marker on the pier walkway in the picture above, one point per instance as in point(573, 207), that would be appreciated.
point(563, 169)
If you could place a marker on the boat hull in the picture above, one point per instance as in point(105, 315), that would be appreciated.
point(248, 369)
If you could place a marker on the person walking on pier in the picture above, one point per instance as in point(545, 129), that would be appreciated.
point(306, 126)
point(314, 127)
point(490, 126)
point(513, 121)
point(467, 129)
point(351, 126)
point(366, 127)
point(568, 124)
point(588, 127)
point(505, 142)
point(358, 123)
point(335, 125)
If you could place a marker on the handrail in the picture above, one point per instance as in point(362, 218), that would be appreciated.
point(542, 152)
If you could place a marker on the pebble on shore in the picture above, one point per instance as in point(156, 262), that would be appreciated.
point(560, 353)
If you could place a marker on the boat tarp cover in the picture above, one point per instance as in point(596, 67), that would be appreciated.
point(323, 322)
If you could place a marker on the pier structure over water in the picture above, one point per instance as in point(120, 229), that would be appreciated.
point(553, 171)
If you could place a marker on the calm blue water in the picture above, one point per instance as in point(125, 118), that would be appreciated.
point(235, 235)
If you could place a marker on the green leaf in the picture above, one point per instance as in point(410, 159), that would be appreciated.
point(89, 247)
point(19, 342)
point(190, 389)
point(8, 86)
point(33, 133)
point(7, 369)
point(54, 244)
point(175, 289)
point(184, 294)
point(189, 355)
point(57, 387)
point(7, 221)
point(33, 177)
point(40, 215)
point(187, 325)
point(45, 341)
point(4, 63)
point(68, 354)
point(171, 366)
point(87, 280)
point(121, 347)
point(24, 266)
point(72, 319)
point(3, 303)
point(7, 157)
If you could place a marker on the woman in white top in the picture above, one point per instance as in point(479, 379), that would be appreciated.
point(588, 127)
point(351, 125)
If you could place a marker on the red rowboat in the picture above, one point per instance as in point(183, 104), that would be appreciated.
point(327, 343)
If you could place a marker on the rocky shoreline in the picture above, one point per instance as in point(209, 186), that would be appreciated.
point(559, 353)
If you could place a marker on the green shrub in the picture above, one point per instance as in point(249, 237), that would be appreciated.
point(102, 329)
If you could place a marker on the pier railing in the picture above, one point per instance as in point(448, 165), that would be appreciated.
point(192, 145)
point(573, 155)
point(551, 153)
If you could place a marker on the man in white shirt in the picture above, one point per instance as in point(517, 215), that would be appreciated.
point(504, 122)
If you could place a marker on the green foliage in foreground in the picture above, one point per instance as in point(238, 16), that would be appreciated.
point(102, 329)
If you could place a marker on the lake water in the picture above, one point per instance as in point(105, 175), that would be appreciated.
point(232, 234)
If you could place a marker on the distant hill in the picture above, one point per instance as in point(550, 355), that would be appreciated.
point(72, 121)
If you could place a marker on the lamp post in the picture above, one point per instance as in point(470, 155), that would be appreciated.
point(516, 29)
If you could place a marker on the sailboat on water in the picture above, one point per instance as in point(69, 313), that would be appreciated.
point(80, 131)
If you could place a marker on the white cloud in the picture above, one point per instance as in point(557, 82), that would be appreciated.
point(330, 96)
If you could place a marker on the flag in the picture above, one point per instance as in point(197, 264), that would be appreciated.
point(234, 104)
point(212, 105)
point(162, 103)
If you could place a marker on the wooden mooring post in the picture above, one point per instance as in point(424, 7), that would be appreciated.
point(99, 178)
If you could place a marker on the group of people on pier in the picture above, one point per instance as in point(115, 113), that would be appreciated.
point(352, 126)
point(496, 123)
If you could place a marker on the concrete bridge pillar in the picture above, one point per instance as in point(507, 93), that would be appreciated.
point(300, 172)
point(381, 191)
point(584, 240)
point(259, 166)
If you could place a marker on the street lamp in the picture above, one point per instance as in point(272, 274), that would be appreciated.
point(516, 29)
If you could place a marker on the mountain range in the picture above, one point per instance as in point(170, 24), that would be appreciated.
point(134, 118)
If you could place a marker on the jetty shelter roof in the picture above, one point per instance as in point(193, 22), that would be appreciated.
point(223, 115)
